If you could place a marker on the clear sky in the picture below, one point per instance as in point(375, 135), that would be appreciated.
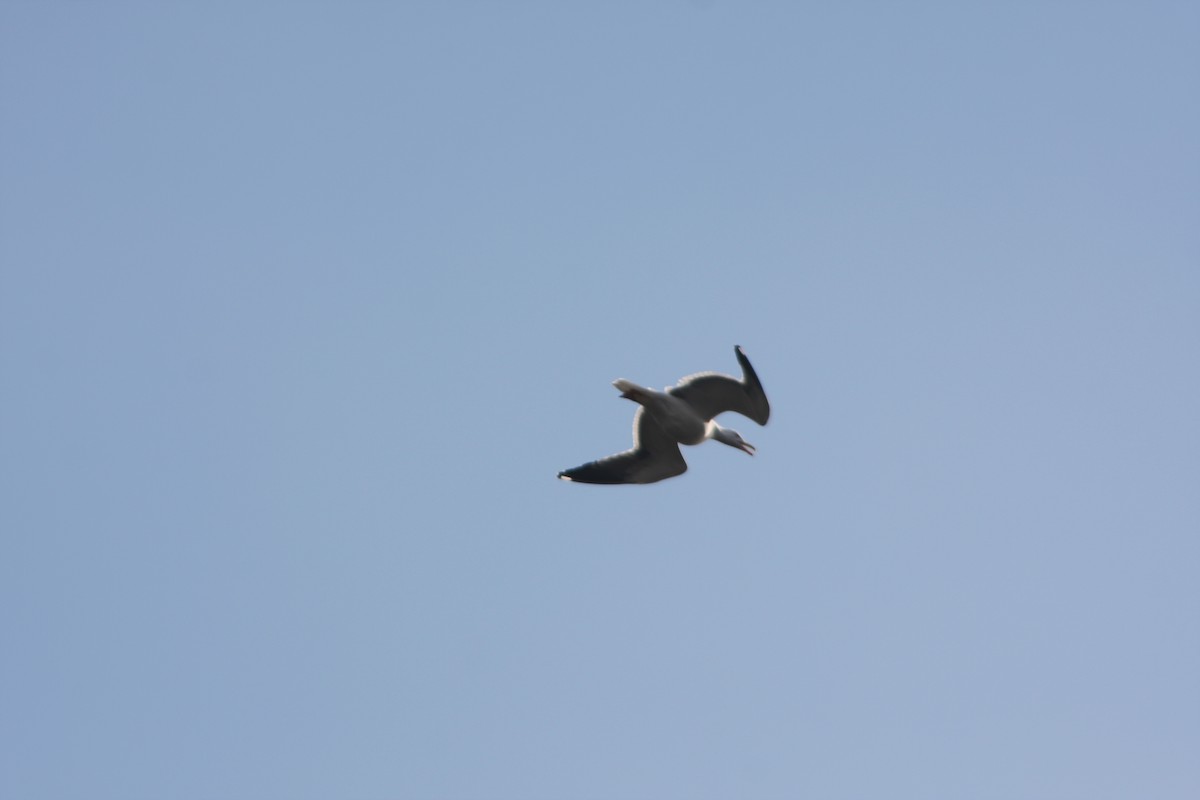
point(303, 306)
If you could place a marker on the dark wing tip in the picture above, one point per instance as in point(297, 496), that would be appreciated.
point(595, 472)
point(758, 397)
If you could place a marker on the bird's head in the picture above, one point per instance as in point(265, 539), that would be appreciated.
point(732, 438)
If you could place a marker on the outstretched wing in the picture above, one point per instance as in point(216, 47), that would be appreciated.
point(654, 456)
point(710, 393)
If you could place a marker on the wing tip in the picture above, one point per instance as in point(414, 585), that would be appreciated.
point(763, 412)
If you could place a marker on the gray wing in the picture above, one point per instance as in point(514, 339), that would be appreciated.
point(710, 394)
point(654, 456)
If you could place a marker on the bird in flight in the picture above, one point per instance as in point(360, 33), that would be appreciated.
point(683, 414)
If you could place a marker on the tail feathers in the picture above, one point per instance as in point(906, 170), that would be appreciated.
point(629, 389)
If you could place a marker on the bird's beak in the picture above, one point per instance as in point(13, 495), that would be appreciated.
point(747, 448)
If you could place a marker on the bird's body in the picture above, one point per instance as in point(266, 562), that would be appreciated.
point(683, 414)
point(677, 419)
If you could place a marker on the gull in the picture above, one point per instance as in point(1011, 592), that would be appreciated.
point(683, 414)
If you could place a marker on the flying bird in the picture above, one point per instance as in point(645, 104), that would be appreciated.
point(683, 414)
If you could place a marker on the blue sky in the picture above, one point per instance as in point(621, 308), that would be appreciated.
point(302, 307)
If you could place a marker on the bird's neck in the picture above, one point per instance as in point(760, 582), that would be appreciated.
point(715, 431)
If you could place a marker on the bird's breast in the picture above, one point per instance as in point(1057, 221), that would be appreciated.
point(679, 421)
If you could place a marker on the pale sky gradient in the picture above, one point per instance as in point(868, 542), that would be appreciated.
point(303, 305)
